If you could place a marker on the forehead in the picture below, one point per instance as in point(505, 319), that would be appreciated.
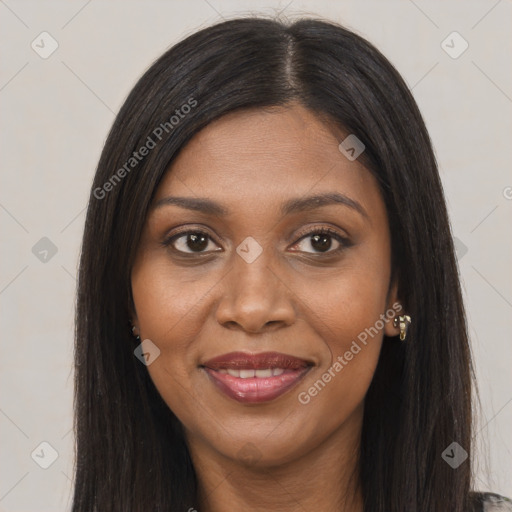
point(258, 156)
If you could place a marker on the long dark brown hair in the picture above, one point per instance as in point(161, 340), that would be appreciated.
point(131, 453)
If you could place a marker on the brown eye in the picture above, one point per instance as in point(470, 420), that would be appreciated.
point(190, 242)
point(321, 241)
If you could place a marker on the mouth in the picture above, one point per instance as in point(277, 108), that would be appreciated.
point(255, 378)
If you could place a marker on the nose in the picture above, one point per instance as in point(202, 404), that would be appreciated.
point(255, 297)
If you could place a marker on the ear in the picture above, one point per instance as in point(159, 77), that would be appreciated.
point(394, 308)
point(132, 314)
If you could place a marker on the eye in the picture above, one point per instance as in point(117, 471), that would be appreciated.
point(189, 242)
point(321, 241)
point(197, 241)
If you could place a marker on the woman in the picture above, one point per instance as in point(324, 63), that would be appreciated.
point(269, 314)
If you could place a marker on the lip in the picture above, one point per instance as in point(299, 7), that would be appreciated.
point(256, 389)
point(246, 361)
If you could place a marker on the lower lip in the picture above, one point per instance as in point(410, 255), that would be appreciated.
point(256, 390)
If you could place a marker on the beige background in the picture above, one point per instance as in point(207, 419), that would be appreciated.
point(56, 113)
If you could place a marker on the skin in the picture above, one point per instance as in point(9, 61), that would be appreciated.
point(294, 298)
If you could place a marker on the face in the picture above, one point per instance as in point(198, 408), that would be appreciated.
point(259, 298)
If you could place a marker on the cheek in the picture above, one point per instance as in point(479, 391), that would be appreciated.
point(165, 307)
point(348, 317)
point(351, 326)
point(334, 394)
point(167, 302)
point(172, 311)
point(346, 305)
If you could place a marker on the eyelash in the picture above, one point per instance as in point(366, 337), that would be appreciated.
point(343, 241)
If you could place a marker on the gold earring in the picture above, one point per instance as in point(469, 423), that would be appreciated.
point(134, 333)
point(404, 321)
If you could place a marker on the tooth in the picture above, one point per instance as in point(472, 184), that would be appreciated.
point(234, 373)
point(277, 371)
point(222, 370)
point(246, 374)
point(264, 373)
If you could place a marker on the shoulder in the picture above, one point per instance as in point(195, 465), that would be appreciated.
point(491, 502)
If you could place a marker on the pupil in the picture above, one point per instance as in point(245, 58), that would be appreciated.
point(325, 242)
point(197, 242)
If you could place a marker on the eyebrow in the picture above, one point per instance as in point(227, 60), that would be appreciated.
point(300, 204)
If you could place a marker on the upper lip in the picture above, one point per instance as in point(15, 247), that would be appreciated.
point(244, 360)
